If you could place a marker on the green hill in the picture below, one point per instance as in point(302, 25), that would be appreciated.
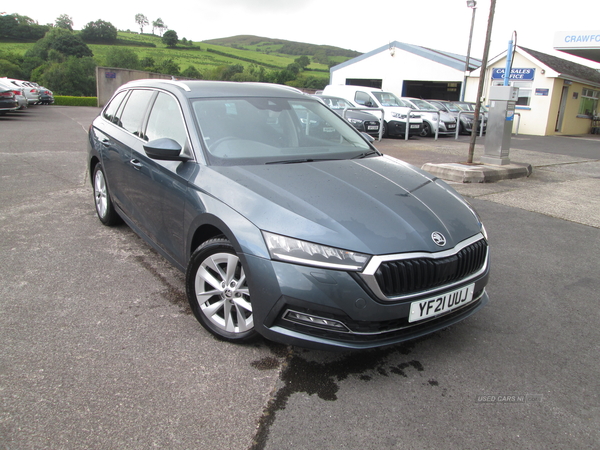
point(237, 58)
point(206, 55)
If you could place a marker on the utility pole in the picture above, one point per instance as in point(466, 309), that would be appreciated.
point(482, 76)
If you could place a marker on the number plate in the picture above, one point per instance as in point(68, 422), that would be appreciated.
point(430, 307)
point(372, 127)
point(451, 125)
point(415, 126)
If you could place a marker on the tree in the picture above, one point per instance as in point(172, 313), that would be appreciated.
point(167, 67)
point(75, 76)
point(302, 61)
point(295, 68)
point(57, 40)
point(21, 27)
point(170, 38)
point(148, 64)
point(64, 21)
point(142, 21)
point(160, 25)
point(192, 72)
point(99, 31)
point(123, 58)
point(71, 45)
point(10, 69)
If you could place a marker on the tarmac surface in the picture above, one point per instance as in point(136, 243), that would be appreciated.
point(565, 181)
point(101, 351)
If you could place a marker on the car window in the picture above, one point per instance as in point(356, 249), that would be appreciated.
point(110, 112)
point(135, 109)
point(364, 99)
point(389, 99)
point(165, 120)
point(423, 105)
point(336, 103)
point(267, 130)
point(452, 107)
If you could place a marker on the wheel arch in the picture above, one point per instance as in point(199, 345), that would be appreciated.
point(244, 236)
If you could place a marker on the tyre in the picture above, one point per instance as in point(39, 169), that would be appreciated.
point(218, 293)
point(384, 133)
point(104, 205)
point(426, 131)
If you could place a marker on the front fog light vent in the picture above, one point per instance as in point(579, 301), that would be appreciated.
point(315, 321)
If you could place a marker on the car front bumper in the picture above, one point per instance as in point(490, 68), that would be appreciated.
point(398, 128)
point(331, 309)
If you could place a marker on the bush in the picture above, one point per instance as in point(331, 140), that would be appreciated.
point(64, 100)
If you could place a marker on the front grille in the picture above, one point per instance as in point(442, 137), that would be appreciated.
point(407, 276)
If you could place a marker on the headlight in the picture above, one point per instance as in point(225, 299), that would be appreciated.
point(287, 249)
point(355, 121)
point(398, 115)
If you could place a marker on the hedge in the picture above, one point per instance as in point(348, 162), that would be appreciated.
point(64, 100)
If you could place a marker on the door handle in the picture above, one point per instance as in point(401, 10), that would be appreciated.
point(136, 163)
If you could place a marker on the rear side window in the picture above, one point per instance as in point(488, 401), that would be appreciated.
point(135, 110)
point(110, 112)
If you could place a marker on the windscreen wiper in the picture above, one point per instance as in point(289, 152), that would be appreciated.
point(365, 154)
point(302, 160)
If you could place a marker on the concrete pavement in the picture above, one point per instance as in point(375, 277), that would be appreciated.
point(100, 350)
point(564, 182)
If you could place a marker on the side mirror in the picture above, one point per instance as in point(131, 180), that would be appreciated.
point(164, 149)
point(370, 139)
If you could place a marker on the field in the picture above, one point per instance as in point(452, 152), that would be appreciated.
point(205, 56)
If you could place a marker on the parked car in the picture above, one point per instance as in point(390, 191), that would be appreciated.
point(361, 120)
point(304, 238)
point(7, 101)
point(445, 124)
point(46, 96)
point(465, 118)
point(395, 110)
point(18, 92)
point(30, 91)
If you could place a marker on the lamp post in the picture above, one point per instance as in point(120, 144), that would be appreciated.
point(473, 5)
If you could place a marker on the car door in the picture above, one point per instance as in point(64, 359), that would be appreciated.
point(158, 188)
point(126, 136)
point(114, 155)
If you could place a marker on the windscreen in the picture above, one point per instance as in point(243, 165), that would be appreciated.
point(389, 99)
point(249, 130)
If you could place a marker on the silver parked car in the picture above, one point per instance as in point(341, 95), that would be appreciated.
point(444, 123)
point(287, 222)
point(17, 91)
point(31, 92)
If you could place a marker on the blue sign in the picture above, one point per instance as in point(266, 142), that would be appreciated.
point(541, 91)
point(110, 74)
point(515, 74)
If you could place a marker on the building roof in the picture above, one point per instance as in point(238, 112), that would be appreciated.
point(565, 69)
point(446, 58)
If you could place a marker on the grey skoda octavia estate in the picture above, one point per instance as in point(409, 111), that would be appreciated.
point(287, 222)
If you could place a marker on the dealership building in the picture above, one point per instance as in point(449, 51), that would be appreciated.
point(556, 96)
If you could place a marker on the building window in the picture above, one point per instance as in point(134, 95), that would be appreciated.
point(525, 88)
point(589, 102)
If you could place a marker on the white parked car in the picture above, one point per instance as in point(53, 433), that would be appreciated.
point(396, 110)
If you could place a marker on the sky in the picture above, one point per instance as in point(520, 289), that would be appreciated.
point(350, 24)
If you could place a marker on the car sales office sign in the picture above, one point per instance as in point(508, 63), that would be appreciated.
point(515, 74)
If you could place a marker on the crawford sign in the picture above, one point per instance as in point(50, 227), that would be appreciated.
point(515, 74)
point(577, 39)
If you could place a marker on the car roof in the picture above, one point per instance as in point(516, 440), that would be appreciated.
point(217, 89)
